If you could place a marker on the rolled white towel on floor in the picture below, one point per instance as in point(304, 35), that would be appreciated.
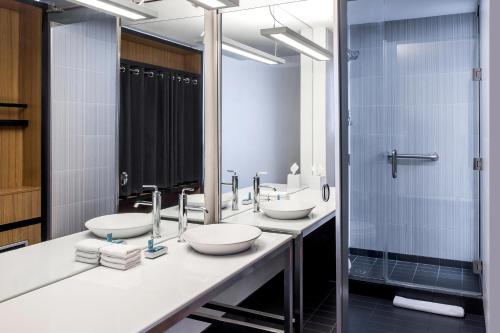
point(121, 251)
point(437, 308)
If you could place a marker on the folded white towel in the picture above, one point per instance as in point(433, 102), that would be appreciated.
point(94, 261)
point(121, 261)
point(90, 245)
point(120, 250)
point(132, 264)
point(89, 255)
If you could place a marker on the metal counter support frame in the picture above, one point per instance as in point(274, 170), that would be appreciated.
point(285, 252)
point(298, 276)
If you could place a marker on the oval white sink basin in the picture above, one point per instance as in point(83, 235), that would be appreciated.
point(222, 239)
point(287, 209)
point(198, 200)
point(120, 225)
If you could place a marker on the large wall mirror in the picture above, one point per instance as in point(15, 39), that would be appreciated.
point(92, 111)
point(275, 109)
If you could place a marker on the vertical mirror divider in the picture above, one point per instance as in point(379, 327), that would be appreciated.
point(211, 74)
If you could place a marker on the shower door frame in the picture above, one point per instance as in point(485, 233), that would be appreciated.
point(344, 143)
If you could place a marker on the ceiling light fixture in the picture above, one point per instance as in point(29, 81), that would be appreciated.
point(297, 42)
point(215, 4)
point(249, 52)
point(122, 8)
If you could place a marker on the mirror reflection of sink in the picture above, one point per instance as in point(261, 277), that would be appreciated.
point(287, 209)
point(222, 238)
point(120, 225)
point(198, 200)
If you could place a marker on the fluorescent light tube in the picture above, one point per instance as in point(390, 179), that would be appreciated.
point(249, 52)
point(297, 42)
point(122, 8)
point(216, 4)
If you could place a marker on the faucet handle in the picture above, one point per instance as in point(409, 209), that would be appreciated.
point(234, 172)
point(187, 189)
point(150, 187)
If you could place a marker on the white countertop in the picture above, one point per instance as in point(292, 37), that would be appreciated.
point(107, 300)
point(172, 213)
point(324, 211)
point(35, 266)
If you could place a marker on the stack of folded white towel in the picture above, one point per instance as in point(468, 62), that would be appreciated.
point(120, 256)
point(88, 250)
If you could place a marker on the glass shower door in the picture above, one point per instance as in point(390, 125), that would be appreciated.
point(432, 231)
point(413, 139)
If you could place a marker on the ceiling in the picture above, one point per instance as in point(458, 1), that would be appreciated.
point(182, 22)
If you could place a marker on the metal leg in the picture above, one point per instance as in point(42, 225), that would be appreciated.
point(288, 290)
point(298, 291)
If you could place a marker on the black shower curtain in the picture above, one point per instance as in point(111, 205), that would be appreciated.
point(160, 127)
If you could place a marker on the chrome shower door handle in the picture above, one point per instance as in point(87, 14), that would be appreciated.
point(394, 161)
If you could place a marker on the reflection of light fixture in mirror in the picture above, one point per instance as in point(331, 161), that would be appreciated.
point(297, 42)
point(216, 4)
point(122, 8)
point(249, 52)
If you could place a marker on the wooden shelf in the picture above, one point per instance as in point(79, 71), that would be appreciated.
point(19, 204)
point(13, 123)
point(14, 105)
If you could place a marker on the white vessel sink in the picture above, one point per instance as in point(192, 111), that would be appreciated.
point(198, 200)
point(222, 239)
point(287, 209)
point(120, 225)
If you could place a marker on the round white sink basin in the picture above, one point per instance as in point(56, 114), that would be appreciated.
point(120, 225)
point(287, 209)
point(198, 200)
point(222, 239)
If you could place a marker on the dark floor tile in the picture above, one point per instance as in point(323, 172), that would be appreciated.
point(321, 319)
point(319, 327)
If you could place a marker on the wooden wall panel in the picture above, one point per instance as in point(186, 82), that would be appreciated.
point(11, 157)
point(30, 80)
point(151, 52)
point(9, 56)
point(30, 233)
point(193, 63)
point(19, 205)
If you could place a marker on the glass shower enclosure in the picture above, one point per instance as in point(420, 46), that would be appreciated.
point(413, 140)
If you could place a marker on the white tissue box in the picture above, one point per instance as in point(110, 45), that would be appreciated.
point(293, 181)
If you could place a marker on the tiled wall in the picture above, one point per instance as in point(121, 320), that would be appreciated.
point(411, 89)
point(83, 124)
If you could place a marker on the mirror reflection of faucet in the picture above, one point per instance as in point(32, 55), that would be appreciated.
point(156, 204)
point(183, 209)
point(234, 188)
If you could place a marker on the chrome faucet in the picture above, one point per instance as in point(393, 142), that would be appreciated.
point(183, 209)
point(256, 190)
point(156, 204)
point(234, 188)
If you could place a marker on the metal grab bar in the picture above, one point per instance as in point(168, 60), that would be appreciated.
point(428, 157)
point(394, 157)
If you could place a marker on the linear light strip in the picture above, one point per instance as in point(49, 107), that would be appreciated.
point(120, 8)
point(297, 42)
point(215, 4)
point(249, 52)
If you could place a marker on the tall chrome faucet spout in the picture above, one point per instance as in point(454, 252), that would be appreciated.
point(183, 209)
point(156, 204)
